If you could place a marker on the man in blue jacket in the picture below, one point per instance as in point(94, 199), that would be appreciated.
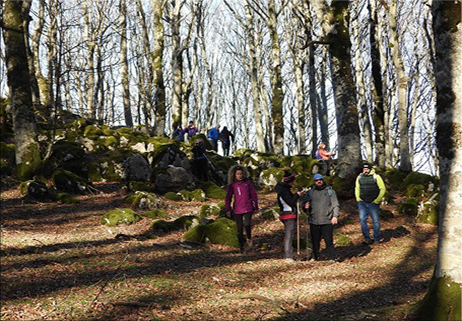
point(213, 137)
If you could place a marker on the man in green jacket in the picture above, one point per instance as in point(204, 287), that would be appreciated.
point(369, 191)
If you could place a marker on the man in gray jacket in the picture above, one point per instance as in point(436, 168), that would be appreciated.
point(322, 207)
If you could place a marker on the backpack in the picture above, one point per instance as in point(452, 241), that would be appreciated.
point(329, 191)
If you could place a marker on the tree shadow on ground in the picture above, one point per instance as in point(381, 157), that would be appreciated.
point(401, 286)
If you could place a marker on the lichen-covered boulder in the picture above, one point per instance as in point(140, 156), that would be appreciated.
point(138, 186)
point(409, 207)
point(222, 231)
point(70, 182)
point(136, 168)
point(185, 195)
point(69, 156)
point(428, 214)
point(197, 195)
point(394, 178)
point(208, 210)
point(66, 198)
point(173, 196)
point(386, 214)
point(212, 190)
point(36, 189)
point(415, 190)
point(144, 200)
point(162, 226)
point(417, 178)
point(120, 216)
point(170, 179)
point(155, 213)
point(196, 234)
point(270, 177)
point(186, 222)
point(270, 213)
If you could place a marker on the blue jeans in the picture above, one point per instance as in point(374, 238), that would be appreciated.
point(372, 210)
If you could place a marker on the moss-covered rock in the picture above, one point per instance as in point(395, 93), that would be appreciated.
point(270, 177)
point(409, 207)
point(185, 195)
point(212, 190)
point(222, 231)
point(417, 178)
point(144, 200)
point(196, 234)
point(429, 214)
point(163, 226)
point(35, 188)
point(155, 213)
point(386, 214)
point(186, 222)
point(69, 156)
point(120, 216)
point(270, 213)
point(92, 131)
point(342, 240)
point(208, 210)
point(415, 190)
point(68, 181)
point(173, 196)
point(197, 195)
point(394, 178)
point(66, 198)
point(139, 186)
point(7, 151)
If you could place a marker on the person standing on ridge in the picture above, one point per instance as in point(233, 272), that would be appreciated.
point(225, 137)
point(213, 137)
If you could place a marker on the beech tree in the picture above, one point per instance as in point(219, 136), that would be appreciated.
point(24, 126)
point(443, 300)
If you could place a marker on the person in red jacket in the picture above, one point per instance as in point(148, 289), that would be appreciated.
point(245, 203)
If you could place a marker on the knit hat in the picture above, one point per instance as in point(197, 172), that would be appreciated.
point(318, 176)
point(288, 177)
point(367, 166)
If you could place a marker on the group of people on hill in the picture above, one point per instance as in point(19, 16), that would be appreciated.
point(214, 135)
point(319, 202)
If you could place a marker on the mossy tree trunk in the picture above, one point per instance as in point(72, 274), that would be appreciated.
point(349, 153)
point(124, 63)
point(157, 66)
point(24, 126)
point(443, 300)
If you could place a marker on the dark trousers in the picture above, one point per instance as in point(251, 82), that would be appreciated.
point(225, 145)
point(243, 221)
point(200, 166)
point(214, 144)
point(326, 232)
point(289, 230)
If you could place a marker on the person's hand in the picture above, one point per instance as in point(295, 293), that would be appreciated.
point(307, 205)
point(334, 220)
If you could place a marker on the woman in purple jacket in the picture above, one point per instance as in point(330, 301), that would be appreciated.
point(245, 203)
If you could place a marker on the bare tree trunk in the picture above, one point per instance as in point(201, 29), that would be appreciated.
point(124, 63)
point(90, 66)
point(254, 78)
point(276, 81)
point(25, 130)
point(349, 152)
point(443, 300)
point(157, 65)
point(405, 162)
point(377, 92)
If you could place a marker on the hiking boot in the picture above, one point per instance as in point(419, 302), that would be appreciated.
point(368, 242)
point(241, 249)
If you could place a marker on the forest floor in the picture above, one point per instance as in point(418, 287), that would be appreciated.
point(59, 263)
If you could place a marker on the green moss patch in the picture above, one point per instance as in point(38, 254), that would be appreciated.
point(222, 231)
point(429, 215)
point(196, 234)
point(342, 240)
point(120, 216)
point(144, 200)
point(66, 198)
point(409, 207)
point(155, 213)
point(208, 210)
point(173, 196)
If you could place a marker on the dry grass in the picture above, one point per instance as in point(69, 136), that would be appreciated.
point(59, 263)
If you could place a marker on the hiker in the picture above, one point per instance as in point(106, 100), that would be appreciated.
point(178, 134)
point(324, 157)
point(322, 208)
point(245, 204)
point(213, 137)
point(288, 206)
point(200, 160)
point(225, 137)
point(191, 130)
point(369, 191)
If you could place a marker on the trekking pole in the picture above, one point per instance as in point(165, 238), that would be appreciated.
point(298, 228)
